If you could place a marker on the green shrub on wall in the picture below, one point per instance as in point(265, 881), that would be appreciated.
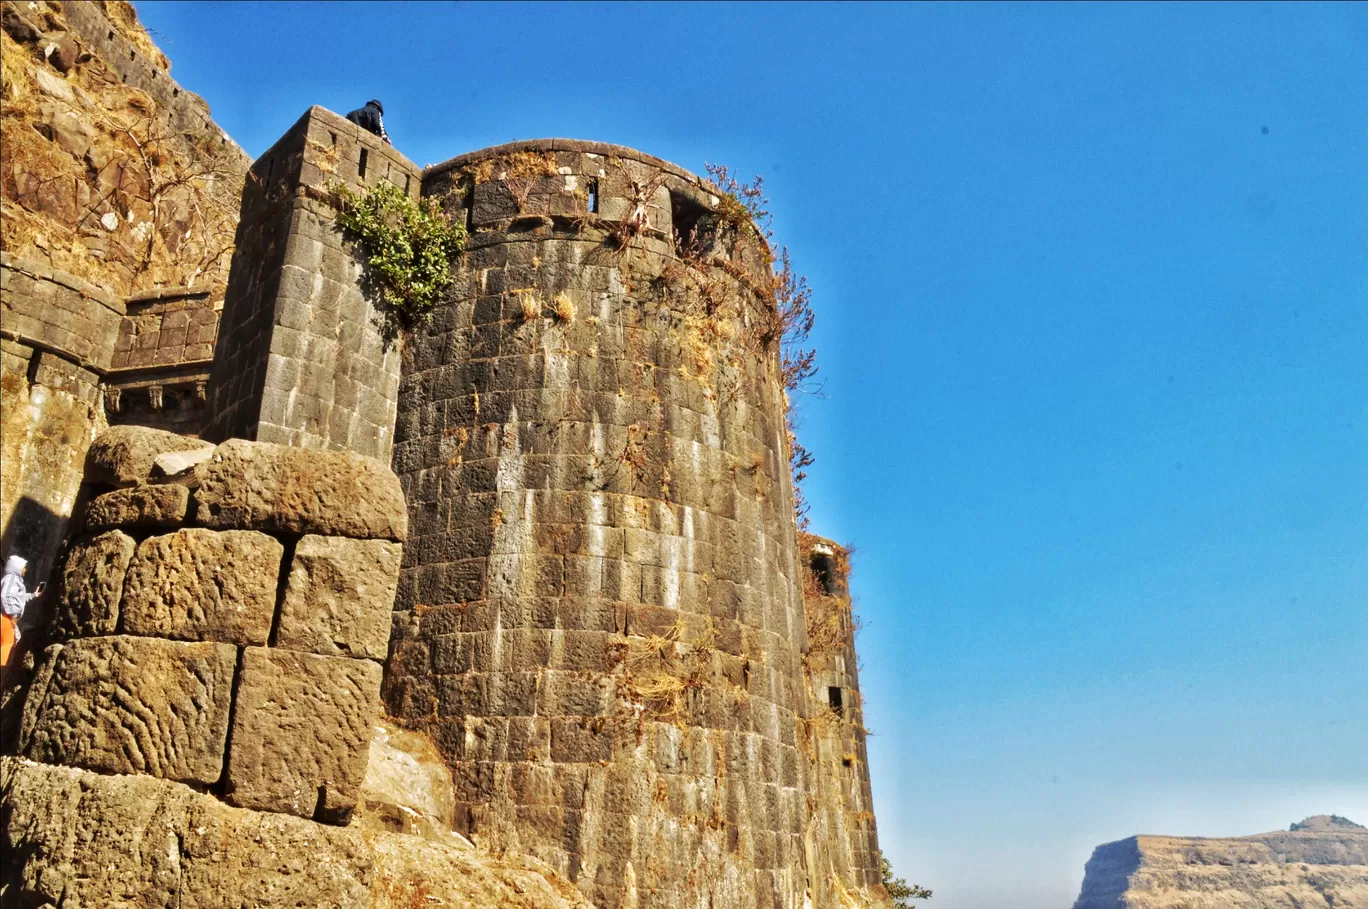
point(406, 250)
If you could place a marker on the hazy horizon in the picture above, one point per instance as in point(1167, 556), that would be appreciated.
point(1090, 283)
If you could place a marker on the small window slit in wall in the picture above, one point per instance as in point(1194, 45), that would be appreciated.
point(834, 698)
point(270, 170)
point(407, 178)
point(593, 197)
point(361, 167)
point(111, 34)
point(132, 55)
point(175, 92)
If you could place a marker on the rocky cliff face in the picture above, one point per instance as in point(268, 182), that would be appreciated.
point(111, 171)
point(1316, 865)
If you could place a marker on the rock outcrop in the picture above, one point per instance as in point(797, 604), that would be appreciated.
point(111, 170)
point(83, 840)
point(1317, 865)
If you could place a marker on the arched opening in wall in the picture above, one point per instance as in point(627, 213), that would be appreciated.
point(822, 563)
point(686, 213)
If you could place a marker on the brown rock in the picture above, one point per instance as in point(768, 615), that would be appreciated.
point(65, 52)
point(79, 839)
point(135, 705)
point(92, 585)
point(301, 730)
point(139, 506)
point(65, 128)
point(203, 585)
point(263, 486)
point(340, 597)
point(19, 28)
point(123, 455)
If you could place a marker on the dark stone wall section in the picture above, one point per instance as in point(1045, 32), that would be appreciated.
point(598, 618)
point(299, 359)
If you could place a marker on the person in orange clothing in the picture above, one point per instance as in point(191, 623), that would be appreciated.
point(14, 598)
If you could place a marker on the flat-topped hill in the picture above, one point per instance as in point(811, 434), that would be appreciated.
point(1320, 863)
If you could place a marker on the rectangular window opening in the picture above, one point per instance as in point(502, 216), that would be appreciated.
point(593, 196)
point(407, 177)
point(361, 168)
point(834, 698)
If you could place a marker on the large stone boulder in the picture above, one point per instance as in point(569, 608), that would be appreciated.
point(301, 729)
point(133, 705)
point(339, 598)
point(279, 489)
point(82, 841)
point(204, 585)
point(124, 455)
point(140, 507)
point(92, 584)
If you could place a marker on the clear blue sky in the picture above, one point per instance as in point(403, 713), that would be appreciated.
point(1092, 290)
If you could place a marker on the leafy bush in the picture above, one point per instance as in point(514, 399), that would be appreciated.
point(903, 894)
point(406, 249)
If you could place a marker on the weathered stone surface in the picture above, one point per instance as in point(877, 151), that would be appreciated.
point(203, 585)
point(269, 487)
point(408, 786)
point(301, 730)
point(1267, 871)
point(175, 463)
point(135, 705)
point(339, 598)
point(123, 455)
point(139, 507)
point(92, 584)
point(85, 841)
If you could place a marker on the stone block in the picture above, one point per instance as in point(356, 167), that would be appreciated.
point(124, 455)
point(139, 507)
point(92, 585)
point(261, 486)
point(135, 705)
point(340, 596)
point(204, 585)
point(302, 726)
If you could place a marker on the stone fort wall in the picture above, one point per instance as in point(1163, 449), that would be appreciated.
point(599, 619)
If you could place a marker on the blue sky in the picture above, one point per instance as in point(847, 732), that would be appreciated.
point(1092, 295)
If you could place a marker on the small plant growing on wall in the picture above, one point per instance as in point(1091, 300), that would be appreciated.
point(406, 249)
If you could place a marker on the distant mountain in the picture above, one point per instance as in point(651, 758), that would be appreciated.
point(1320, 863)
point(1327, 823)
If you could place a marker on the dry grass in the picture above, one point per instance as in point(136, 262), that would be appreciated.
point(564, 308)
point(529, 304)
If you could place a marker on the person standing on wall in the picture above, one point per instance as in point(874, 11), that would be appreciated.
point(370, 119)
point(14, 599)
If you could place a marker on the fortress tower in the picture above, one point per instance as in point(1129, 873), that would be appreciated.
point(599, 619)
